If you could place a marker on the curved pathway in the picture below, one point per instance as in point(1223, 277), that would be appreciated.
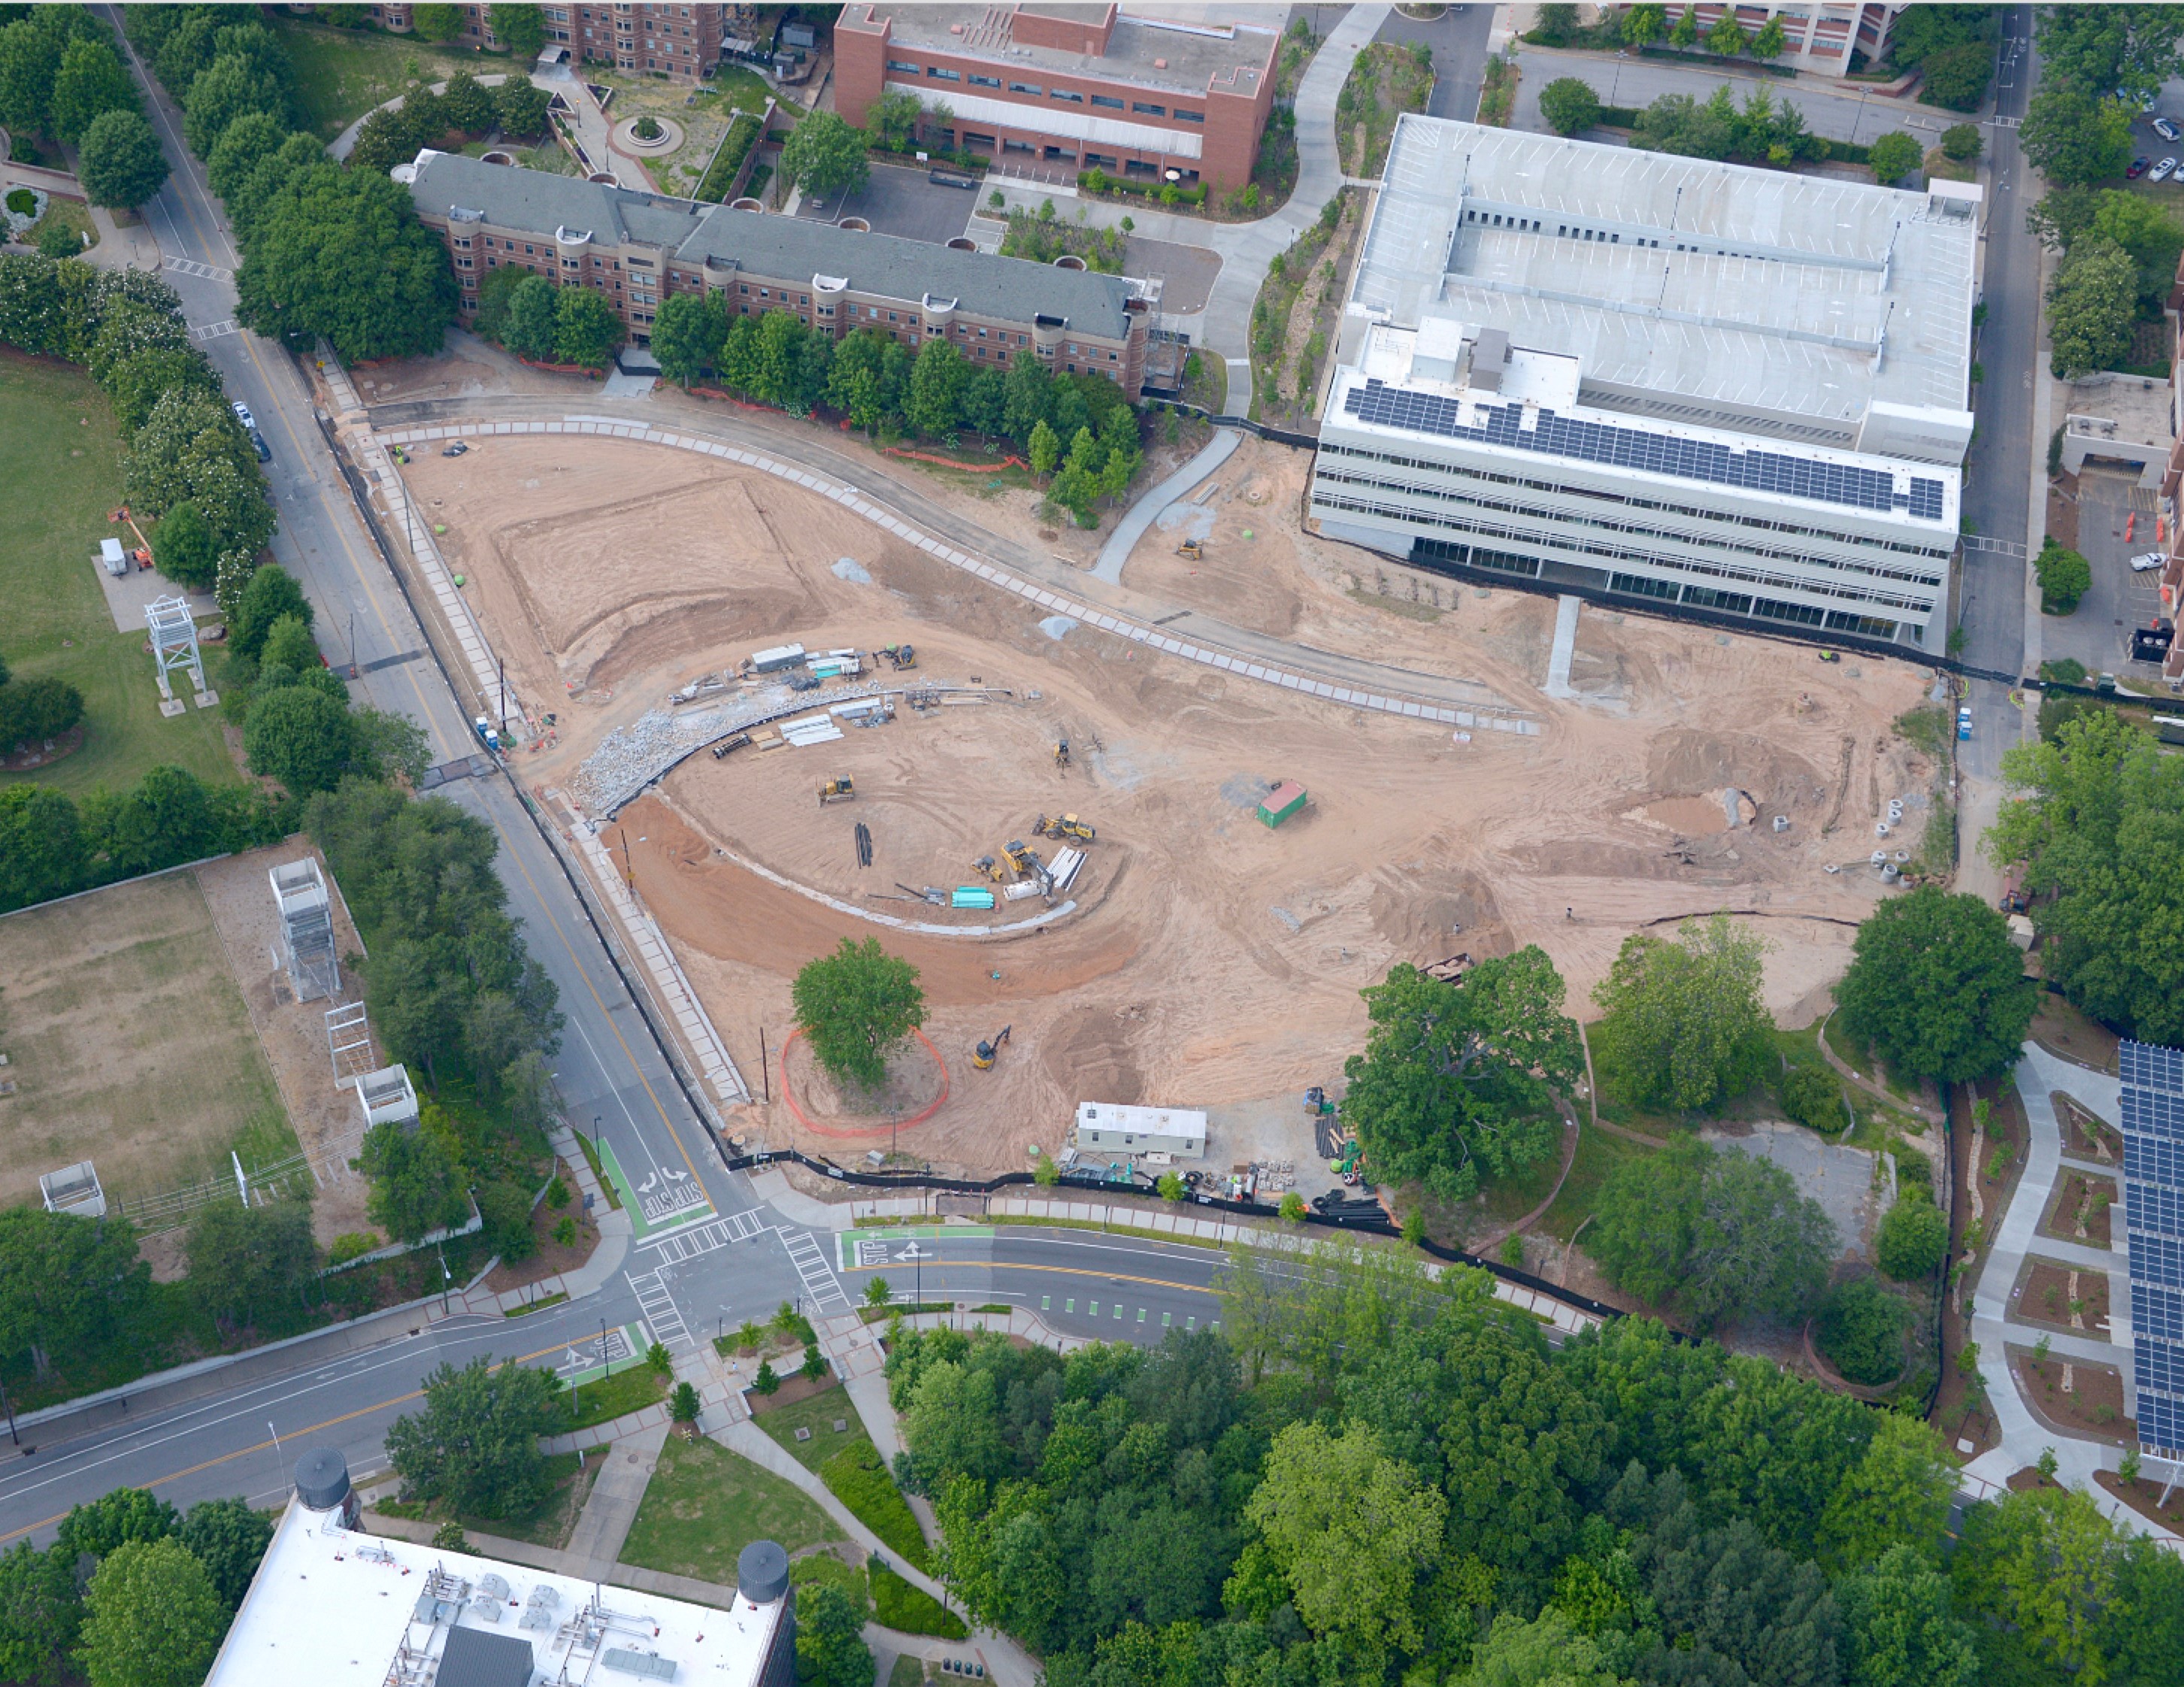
point(1336, 678)
point(343, 143)
point(1147, 509)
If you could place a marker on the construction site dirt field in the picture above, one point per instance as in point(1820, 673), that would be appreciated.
point(1206, 957)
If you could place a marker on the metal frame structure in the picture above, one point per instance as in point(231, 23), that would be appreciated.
point(306, 928)
point(174, 642)
point(349, 1043)
point(73, 1190)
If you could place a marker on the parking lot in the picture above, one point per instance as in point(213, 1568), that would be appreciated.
point(2099, 633)
point(901, 202)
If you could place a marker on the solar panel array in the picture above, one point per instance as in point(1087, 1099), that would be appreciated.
point(2153, 1108)
point(1658, 453)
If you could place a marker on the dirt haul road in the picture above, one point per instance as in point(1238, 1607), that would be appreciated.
point(1208, 957)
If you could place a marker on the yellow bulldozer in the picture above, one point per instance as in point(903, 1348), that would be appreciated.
point(1193, 548)
point(1066, 828)
point(840, 790)
point(1020, 857)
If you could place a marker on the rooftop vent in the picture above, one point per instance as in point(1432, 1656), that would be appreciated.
point(322, 1478)
point(1160, 64)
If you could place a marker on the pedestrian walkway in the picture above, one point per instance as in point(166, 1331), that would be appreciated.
point(1147, 509)
point(597, 1540)
point(2038, 1075)
point(616, 1229)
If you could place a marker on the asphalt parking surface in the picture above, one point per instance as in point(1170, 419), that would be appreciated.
point(900, 202)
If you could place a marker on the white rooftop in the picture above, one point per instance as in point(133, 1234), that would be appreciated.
point(331, 1608)
point(1799, 295)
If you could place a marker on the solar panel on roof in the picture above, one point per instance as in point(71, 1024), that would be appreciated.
point(2158, 1365)
point(2153, 1209)
point(2149, 1066)
point(2153, 1159)
point(2152, 1112)
point(2161, 1424)
point(1559, 436)
point(2158, 1313)
point(2157, 1260)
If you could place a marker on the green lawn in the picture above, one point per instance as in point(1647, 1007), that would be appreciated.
point(548, 1523)
point(60, 455)
point(1598, 1154)
point(705, 1504)
point(828, 1569)
point(908, 1672)
point(615, 1396)
point(342, 73)
point(818, 1414)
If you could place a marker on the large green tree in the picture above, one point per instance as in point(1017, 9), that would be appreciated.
point(587, 328)
point(687, 334)
point(120, 163)
point(2076, 138)
point(224, 91)
point(2045, 1562)
point(1899, 1618)
point(2129, 50)
point(63, 1282)
point(521, 28)
point(1896, 1498)
point(89, 83)
point(1936, 988)
point(2095, 815)
point(340, 253)
point(41, 1613)
point(1683, 1026)
point(416, 1186)
point(1569, 105)
point(825, 156)
point(474, 1446)
point(152, 1618)
point(29, 58)
point(246, 1261)
point(855, 1006)
point(229, 1538)
point(1458, 1080)
point(300, 736)
point(2091, 304)
point(533, 319)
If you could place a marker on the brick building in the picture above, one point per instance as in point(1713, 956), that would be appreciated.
point(679, 43)
point(637, 248)
point(1080, 85)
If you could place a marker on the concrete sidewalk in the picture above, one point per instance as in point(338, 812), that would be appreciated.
point(616, 1492)
point(1146, 510)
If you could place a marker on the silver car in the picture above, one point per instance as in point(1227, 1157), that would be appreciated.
point(2146, 562)
point(2162, 171)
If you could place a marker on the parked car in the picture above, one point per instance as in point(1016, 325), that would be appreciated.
point(2146, 562)
point(2138, 167)
point(258, 444)
point(2162, 171)
point(1965, 723)
point(2168, 131)
point(243, 414)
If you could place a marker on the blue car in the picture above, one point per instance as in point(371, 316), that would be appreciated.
point(1964, 724)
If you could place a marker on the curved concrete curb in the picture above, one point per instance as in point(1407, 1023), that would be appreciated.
point(1147, 509)
point(1051, 601)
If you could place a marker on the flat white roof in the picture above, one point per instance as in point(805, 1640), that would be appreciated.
point(1111, 1116)
point(330, 1608)
point(1794, 294)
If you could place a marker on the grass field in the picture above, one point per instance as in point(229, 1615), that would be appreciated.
point(614, 1396)
point(705, 1504)
point(1598, 1154)
point(817, 1414)
point(342, 73)
point(129, 1044)
point(60, 454)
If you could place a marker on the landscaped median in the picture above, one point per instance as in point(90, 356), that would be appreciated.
point(848, 1462)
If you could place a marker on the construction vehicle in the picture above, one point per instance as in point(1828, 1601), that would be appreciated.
point(985, 1054)
point(901, 655)
point(1024, 859)
point(1193, 548)
point(837, 790)
point(988, 867)
point(1062, 752)
point(1064, 826)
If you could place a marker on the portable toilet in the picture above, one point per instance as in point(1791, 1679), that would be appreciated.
point(113, 558)
point(1283, 801)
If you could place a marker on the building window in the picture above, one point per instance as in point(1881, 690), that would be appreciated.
point(1110, 104)
point(941, 76)
point(1031, 88)
point(1018, 147)
point(903, 65)
point(1149, 110)
point(1069, 94)
point(979, 81)
point(1184, 116)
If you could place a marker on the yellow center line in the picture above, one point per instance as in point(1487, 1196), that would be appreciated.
point(260, 1446)
point(584, 973)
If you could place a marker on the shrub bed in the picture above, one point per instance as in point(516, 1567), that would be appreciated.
point(856, 1477)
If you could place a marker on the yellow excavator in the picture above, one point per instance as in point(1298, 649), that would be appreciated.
point(1066, 827)
point(1193, 548)
point(837, 791)
point(989, 1051)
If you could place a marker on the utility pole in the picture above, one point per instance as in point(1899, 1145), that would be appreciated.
point(764, 1077)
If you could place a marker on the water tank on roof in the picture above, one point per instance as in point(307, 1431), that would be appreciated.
point(762, 1572)
point(322, 1478)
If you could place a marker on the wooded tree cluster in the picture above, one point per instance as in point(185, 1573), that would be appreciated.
point(515, 109)
point(1368, 1476)
point(34, 710)
point(132, 1594)
point(2098, 63)
point(61, 77)
point(325, 250)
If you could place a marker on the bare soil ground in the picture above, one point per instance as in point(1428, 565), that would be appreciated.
point(2081, 1209)
point(2045, 1290)
point(129, 1044)
point(1208, 958)
point(2075, 1399)
point(329, 1125)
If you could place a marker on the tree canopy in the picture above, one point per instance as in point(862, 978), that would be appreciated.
point(2074, 137)
point(1682, 1023)
point(855, 1006)
point(1569, 105)
point(825, 156)
point(120, 162)
point(2091, 304)
point(2094, 814)
point(474, 1445)
point(1458, 1081)
point(1936, 988)
point(151, 1617)
point(2129, 50)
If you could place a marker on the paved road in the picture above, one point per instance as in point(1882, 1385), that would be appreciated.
point(1459, 39)
point(1636, 82)
point(1998, 470)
